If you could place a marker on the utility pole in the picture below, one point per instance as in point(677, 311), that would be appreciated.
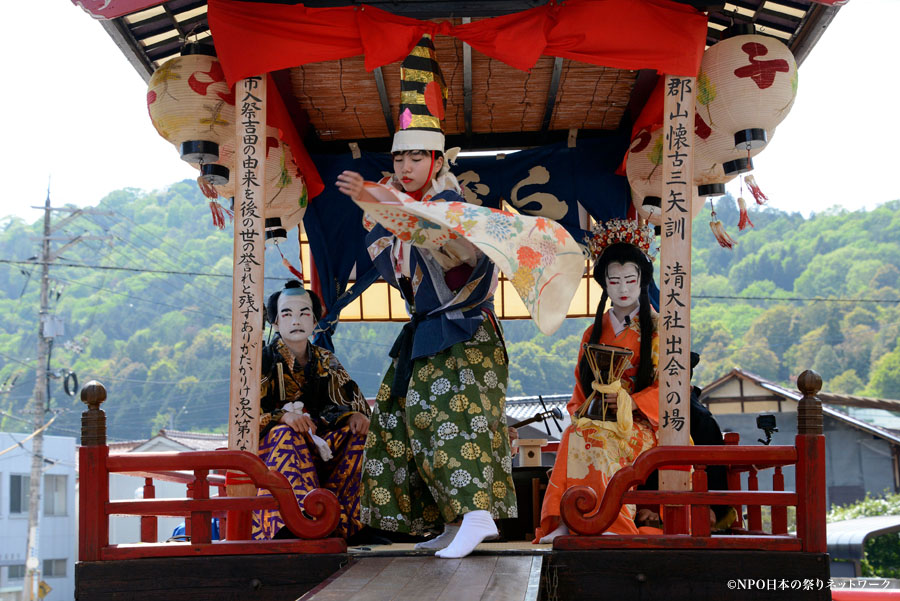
point(46, 332)
point(32, 561)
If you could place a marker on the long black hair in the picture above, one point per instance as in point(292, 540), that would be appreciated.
point(272, 302)
point(624, 253)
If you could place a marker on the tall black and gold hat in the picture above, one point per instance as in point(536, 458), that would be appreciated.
point(423, 100)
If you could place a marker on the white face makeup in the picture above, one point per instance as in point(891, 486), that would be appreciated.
point(412, 169)
point(623, 285)
point(295, 320)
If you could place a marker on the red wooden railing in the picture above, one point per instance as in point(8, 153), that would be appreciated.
point(193, 468)
point(586, 514)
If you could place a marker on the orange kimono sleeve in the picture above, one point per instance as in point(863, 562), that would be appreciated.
point(647, 400)
point(577, 393)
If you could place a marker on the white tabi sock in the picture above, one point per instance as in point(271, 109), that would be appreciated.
point(476, 526)
point(442, 541)
point(561, 530)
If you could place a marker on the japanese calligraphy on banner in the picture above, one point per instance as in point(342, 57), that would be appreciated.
point(675, 273)
point(249, 253)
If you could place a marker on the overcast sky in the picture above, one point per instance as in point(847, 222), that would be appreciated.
point(76, 113)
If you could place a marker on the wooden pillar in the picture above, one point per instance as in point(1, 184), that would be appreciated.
point(93, 486)
point(811, 484)
point(249, 256)
point(675, 285)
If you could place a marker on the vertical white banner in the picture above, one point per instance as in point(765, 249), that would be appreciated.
point(249, 258)
point(675, 273)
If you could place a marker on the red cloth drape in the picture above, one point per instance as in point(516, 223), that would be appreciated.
point(254, 38)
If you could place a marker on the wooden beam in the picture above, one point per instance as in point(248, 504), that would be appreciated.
point(644, 83)
point(551, 93)
point(737, 399)
point(675, 287)
point(383, 97)
point(467, 83)
point(130, 47)
point(247, 280)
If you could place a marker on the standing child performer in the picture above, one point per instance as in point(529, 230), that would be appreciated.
point(314, 419)
point(438, 449)
point(592, 450)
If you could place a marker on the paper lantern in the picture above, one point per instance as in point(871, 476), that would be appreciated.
point(190, 104)
point(275, 232)
point(285, 189)
point(644, 170)
point(746, 86)
point(226, 160)
point(714, 153)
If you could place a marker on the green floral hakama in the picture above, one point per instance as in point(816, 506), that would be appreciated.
point(443, 451)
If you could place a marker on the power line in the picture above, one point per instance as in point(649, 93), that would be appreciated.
point(159, 381)
point(134, 269)
point(149, 247)
point(821, 299)
point(144, 300)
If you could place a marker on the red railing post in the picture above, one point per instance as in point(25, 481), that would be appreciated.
point(699, 513)
point(779, 512)
point(201, 529)
point(238, 523)
point(734, 478)
point(149, 532)
point(811, 485)
point(754, 512)
point(93, 488)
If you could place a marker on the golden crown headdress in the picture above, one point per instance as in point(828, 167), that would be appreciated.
point(625, 231)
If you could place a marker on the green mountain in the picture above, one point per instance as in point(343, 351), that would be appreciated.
point(159, 340)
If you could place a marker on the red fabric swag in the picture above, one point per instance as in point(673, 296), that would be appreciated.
point(254, 38)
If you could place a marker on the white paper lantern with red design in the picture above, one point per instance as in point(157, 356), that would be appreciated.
point(746, 85)
point(190, 104)
point(644, 170)
point(716, 160)
point(285, 189)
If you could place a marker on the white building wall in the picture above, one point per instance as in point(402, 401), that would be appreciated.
point(57, 535)
point(127, 528)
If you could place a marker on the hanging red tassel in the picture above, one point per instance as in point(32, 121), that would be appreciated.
point(757, 193)
point(297, 273)
point(218, 218)
point(745, 218)
point(207, 188)
point(718, 230)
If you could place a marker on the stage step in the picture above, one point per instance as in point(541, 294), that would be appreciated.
point(428, 578)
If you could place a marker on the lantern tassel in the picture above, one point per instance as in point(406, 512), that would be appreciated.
point(745, 217)
point(754, 189)
point(218, 214)
point(718, 230)
point(297, 273)
point(207, 188)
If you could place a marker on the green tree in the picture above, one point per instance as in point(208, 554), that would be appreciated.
point(846, 383)
point(885, 379)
